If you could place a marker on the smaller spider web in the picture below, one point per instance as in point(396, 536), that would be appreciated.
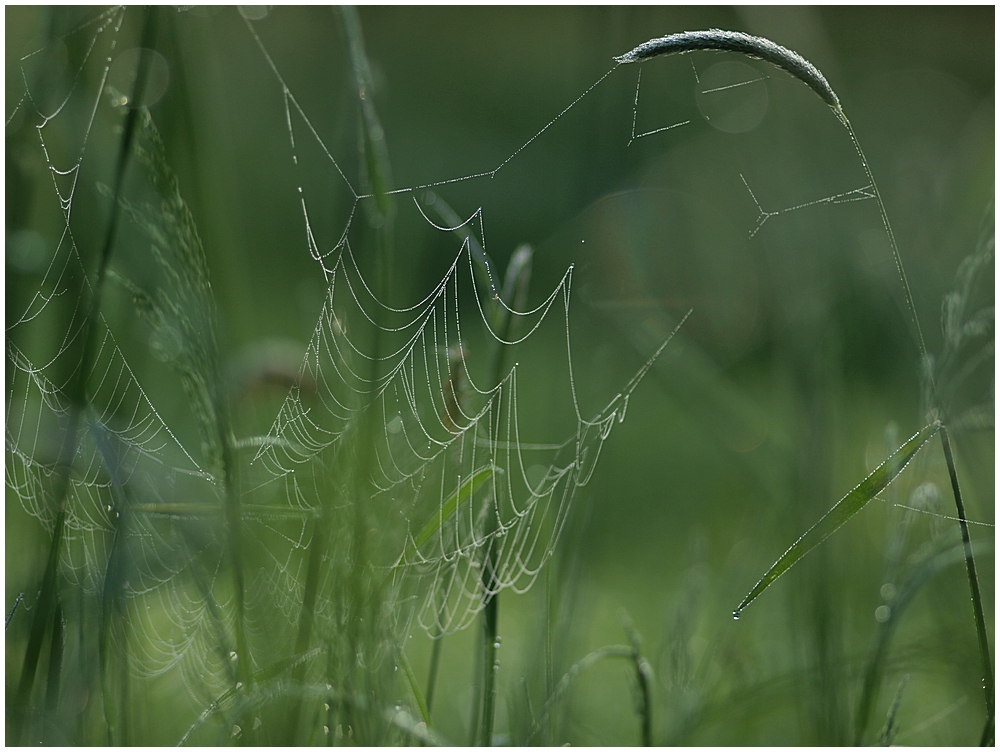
point(126, 442)
point(106, 470)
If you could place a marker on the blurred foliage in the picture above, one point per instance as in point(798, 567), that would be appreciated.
point(796, 375)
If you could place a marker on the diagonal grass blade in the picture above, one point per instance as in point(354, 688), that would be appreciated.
point(844, 509)
point(448, 508)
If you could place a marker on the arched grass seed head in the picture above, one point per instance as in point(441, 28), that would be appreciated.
point(737, 41)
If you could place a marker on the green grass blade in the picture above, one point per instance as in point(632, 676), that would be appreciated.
point(846, 508)
point(248, 511)
point(415, 688)
point(977, 598)
point(432, 671)
point(643, 676)
point(447, 510)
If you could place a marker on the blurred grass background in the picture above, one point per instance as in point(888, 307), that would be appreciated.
point(777, 397)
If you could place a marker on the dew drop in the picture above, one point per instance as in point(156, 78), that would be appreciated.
point(233, 656)
point(882, 614)
point(736, 615)
point(237, 730)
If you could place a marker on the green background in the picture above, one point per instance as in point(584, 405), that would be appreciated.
point(775, 399)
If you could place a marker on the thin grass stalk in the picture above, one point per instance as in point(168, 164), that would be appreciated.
point(378, 178)
point(490, 665)
point(52, 682)
point(642, 673)
point(515, 289)
point(111, 606)
point(77, 396)
point(317, 550)
point(234, 536)
point(432, 672)
point(977, 599)
point(411, 678)
point(888, 731)
point(549, 618)
point(643, 676)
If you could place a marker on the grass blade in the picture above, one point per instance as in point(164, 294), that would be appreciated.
point(447, 510)
point(249, 511)
point(415, 688)
point(643, 676)
point(844, 509)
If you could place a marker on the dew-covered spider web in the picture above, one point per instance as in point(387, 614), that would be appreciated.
point(414, 406)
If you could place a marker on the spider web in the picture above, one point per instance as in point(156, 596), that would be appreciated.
point(469, 503)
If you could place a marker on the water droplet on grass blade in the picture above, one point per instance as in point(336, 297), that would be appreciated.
point(736, 615)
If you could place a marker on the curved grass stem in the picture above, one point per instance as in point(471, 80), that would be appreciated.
point(799, 67)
